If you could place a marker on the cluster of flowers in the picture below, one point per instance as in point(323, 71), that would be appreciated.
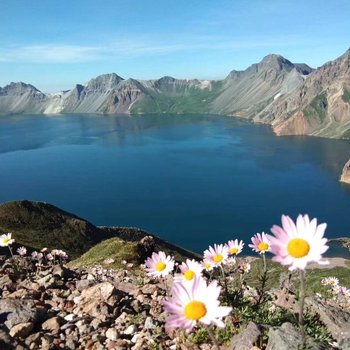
point(6, 240)
point(341, 294)
point(193, 299)
point(100, 274)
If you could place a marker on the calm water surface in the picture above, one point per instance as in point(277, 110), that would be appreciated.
point(193, 180)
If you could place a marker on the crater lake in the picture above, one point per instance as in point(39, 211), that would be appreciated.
point(193, 180)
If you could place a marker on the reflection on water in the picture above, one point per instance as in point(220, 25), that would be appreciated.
point(193, 179)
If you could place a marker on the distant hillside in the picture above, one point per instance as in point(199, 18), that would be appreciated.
point(37, 225)
point(292, 97)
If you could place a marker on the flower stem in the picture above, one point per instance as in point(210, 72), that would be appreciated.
point(301, 310)
point(265, 267)
point(11, 251)
point(263, 281)
point(225, 283)
point(212, 336)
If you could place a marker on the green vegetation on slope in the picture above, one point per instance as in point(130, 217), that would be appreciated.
point(317, 107)
point(113, 248)
point(184, 100)
point(37, 225)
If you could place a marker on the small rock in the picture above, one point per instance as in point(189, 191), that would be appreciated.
point(21, 330)
point(108, 261)
point(69, 317)
point(47, 281)
point(149, 323)
point(18, 311)
point(52, 324)
point(130, 330)
point(246, 339)
point(112, 334)
point(285, 337)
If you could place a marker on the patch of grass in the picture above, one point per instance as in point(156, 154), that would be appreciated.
point(313, 276)
point(114, 248)
point(346, 96)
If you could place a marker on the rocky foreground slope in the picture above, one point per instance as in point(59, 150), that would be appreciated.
point(293, 98)
point(60, 307)
point(105, 300)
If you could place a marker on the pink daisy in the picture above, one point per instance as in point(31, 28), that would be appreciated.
point(217, 255)
point(189, 270)
point(22, 251)
point(193, 303)
point(235, 247)
point(159, 264)
point(261, 243)
point(297, 244)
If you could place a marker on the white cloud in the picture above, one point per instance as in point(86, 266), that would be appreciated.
point(62, 53)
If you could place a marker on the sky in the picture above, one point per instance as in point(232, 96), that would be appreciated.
point(55, 44)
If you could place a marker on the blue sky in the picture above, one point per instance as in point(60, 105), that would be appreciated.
point(54, 44)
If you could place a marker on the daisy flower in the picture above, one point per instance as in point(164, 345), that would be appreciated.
point(189, 270)
point(22, 251)
point(235, 247)
point(261, 243)
point(6, 240)
point(244, 267)
point(336, 289)
point(207, 265)
point(297, 244)
point(330, 281)
point(159, 265)
point(194, 303)
point(217, 255)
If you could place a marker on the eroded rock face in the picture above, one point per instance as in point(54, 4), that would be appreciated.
point(345, 176)
point(336, 320)
point(285, 337)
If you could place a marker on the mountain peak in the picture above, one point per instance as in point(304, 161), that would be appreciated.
point(18, 88)
point(105, 81)
point(276, 61)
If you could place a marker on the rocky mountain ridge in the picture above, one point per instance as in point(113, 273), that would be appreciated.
point(293, 98)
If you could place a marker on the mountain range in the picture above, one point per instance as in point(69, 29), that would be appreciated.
point(293, 98)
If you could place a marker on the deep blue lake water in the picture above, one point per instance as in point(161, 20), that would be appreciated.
point(193, 180)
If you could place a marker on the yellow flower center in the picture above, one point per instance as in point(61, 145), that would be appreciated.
point(207, 266)
point(189, 274)
point(160, 266)
point(218, 258)
point(262, 246)
point(298, 248)
point(6, 241)
point(233, 250)
point(195, 310)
